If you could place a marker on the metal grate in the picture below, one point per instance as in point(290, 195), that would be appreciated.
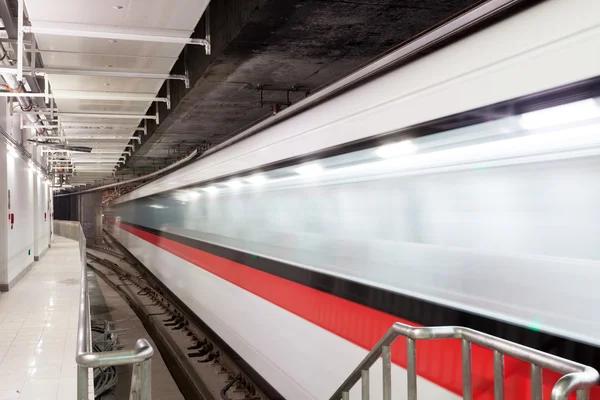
point(576, 377)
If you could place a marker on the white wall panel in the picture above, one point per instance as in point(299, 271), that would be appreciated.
point(20, 237)
point(42, 216)
point(30, 235)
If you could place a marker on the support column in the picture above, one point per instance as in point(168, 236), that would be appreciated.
point(3, 218)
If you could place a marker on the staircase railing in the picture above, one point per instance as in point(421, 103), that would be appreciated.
point(576, 377)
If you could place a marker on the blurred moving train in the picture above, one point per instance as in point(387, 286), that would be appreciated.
point(461, 188)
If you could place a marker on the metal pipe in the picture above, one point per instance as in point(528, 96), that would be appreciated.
point(498, 376)
point(411, 369)
point(24, 101)
point(365, 384)
point(386, 356)
point(466, 370)
point(536, 382)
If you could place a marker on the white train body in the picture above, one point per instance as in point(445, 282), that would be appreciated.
point(301, 267)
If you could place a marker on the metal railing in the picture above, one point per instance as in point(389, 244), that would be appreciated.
point(139, 357)
point(576, 377)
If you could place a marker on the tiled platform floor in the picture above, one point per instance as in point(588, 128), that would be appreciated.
point(38, 328)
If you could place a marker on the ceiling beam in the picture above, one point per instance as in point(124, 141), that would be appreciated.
point(88, 115)
point(91, 72)
point(100, 96)
point(100, 137)
point(116, 36)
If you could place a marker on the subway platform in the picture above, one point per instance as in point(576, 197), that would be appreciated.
point(38, 328)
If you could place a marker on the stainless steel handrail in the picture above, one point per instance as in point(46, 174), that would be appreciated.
point(85, 357)
point(576, 377)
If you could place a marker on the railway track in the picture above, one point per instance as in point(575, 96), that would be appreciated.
point(201, 367)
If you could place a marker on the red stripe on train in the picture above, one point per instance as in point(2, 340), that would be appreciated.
point(437, 361)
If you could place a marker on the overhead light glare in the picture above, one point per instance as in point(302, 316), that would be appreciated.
point(396, 149)
point(559, 115)
point(211, 189)
point(312, 169)
point(158, 206)
point(193, 195)
point(256, 179)
point(234, 183)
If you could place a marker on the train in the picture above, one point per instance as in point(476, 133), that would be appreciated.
point(459, 188)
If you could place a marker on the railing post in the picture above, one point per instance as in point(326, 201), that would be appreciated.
point(364, 379)
point(141, 381)
point(583, 394)
point(387, 373)
point(411, 368)
point(146, 379)
point(536, 382)
point(498, 376)
point(82, 383)
point(466, 370)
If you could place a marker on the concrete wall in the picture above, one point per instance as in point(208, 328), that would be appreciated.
point(24, 193)
point(90, 216)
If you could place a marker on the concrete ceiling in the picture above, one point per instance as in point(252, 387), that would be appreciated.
point(278, 44)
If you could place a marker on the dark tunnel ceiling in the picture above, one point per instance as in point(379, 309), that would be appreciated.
point(282, 44)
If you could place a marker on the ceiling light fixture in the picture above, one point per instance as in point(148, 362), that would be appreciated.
point(118, 7)
point(112, 40)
